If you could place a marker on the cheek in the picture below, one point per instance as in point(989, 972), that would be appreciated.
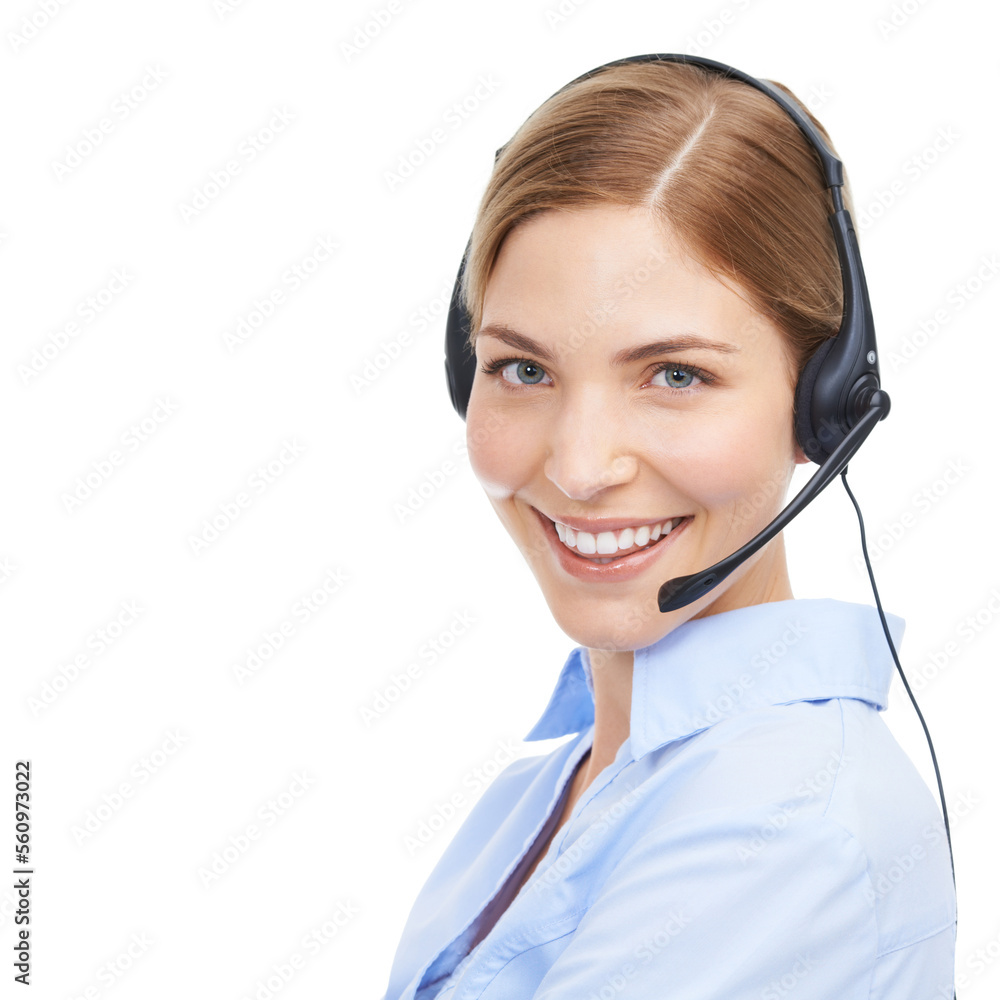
point(498, 451)
point(723, 458)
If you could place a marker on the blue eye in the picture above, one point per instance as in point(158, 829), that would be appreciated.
point(677, 378)
point(529, 372)
point(681, 376)
point(526, 372)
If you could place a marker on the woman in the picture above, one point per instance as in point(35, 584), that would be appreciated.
point(651, 269)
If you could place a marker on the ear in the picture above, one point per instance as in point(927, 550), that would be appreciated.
point(800, 455)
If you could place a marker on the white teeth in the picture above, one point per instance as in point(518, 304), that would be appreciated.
point(610, 542)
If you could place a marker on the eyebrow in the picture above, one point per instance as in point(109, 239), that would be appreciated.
point(628, 355)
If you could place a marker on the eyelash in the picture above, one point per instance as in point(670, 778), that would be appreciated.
point(495, 367)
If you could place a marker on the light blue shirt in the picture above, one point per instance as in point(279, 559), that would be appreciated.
point(760, 835)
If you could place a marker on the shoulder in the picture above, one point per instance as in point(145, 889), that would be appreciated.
point(807, 793)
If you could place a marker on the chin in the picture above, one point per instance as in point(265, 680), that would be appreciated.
point(604, 623)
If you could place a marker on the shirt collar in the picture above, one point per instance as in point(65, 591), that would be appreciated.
point(710, 669)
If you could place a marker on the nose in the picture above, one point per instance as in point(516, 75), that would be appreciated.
point(588, 452)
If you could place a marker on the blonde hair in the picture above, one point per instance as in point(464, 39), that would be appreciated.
point(718, 161)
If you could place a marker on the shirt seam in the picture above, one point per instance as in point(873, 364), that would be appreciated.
point(858, 846)
point(864, 854)
point(879, 954)
point(573, 917)
point(840, 760)
point(926, 937)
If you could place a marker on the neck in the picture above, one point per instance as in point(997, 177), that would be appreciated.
point(611, 672)
point(764, 581)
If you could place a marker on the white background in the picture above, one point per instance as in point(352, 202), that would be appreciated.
point(161, 710)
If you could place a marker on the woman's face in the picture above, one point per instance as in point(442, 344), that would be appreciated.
point(628, 387)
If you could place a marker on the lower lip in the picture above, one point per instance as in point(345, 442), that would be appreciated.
point(616, 571)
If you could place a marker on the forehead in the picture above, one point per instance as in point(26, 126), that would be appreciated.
point(606, 278)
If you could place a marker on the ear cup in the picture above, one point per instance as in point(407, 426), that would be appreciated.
point(459, 359)
point(805, 432)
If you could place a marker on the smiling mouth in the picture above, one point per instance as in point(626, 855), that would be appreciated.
point(607, 546)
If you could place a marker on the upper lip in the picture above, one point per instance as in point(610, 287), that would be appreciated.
point(598, 524)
